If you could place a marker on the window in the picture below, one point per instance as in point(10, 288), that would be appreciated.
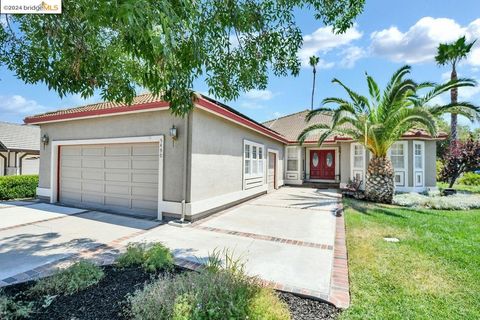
point(253, 159)
point(358, 156)
point(418, 162)
point(398, 155)
point(357, 162)
point(292, 159)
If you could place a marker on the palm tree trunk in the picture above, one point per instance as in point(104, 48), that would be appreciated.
point(380, 185)
point(313, 87)
point(453, 99)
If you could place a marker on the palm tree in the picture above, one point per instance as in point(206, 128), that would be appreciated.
point(313, 62)
point(451, 54)
point(382, 118)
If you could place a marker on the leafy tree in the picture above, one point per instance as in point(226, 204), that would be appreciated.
point(461, 157)
point(451, 54)
point(115, 47)
point(382, 118)
point(464, 133)
point(313, 63)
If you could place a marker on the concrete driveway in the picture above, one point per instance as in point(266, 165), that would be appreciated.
point(286, 238)
point(290, 238)
point(36, 237)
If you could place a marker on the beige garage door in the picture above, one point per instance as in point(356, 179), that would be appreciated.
point(116, 177)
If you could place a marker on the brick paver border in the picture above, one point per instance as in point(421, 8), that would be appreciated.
point(339, 283)
point(257, 236)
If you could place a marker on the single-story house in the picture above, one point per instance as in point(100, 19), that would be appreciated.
point(19, 149)
point(140, 159)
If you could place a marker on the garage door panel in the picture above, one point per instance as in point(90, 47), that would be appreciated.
point(75, 185)
point(144, 150)
point(117, 164)
point(93, 174)
point(68, 196)
point(144, 191)
point(143, 204)
point(93, 187)
point(117, 189)
point(149, 177)
point(121, 150)
point(93, 151)
point(69, 162)
point(71, 151)
point(144, 164)
point(116, 178)
point(117, 202)
point(71, 173)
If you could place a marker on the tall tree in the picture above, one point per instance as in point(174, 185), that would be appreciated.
point(382, 118)
point(451, 54)
point(114, 47)
point(313, 63)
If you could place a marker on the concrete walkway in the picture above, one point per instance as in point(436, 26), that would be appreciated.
point(286, 238)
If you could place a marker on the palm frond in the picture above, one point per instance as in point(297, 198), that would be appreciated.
point(442, 88)
point(304, 134)
point(318, 111)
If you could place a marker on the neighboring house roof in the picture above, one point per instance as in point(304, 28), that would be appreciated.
point(292, 125)
point(19, 137)
point(147, 102)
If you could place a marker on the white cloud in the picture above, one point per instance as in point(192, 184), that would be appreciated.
point(251, 105)
point(419, 43)
point(19, 105)
point(351, 55)
point(256, 94)
point(323, 40)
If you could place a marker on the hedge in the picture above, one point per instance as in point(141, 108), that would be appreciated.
point(16, 187)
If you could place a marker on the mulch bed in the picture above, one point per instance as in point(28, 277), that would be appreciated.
point(107, 299)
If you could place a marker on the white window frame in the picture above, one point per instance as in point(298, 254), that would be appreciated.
point(419, 171)
point(298, 158)
point(259, 163)
point(354, 171)
point(403, 173)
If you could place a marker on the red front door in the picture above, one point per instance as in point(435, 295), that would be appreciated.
point(322, 164)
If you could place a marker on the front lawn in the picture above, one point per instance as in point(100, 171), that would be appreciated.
point(432, 273)
point(459, 187)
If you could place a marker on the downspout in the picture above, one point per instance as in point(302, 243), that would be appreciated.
point(185, 171)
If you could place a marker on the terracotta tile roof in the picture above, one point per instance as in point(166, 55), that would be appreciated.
point(19, 137)
point(140, 99)
point(292, 125)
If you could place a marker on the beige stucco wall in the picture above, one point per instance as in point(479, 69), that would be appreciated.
point(217, 155)
point(128, 125)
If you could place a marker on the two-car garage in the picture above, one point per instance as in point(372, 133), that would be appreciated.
point(116, 177)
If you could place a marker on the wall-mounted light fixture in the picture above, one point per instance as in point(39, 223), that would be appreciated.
point(45, 140)
point(173, 133)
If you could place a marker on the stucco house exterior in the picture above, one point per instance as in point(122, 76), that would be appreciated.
point(140, 159)
point(19, 149)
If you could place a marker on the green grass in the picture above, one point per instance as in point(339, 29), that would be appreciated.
point(432, 273)
point(460, 187)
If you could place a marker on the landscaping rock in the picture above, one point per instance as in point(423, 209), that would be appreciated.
point(303, 308)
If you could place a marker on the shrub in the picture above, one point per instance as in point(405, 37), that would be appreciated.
point(470, 179)
point(453, 202)
point(77, 277)
point(210, 294)
point(158, 257)
point(133, 256)
point(15, 187)
point(11, 309)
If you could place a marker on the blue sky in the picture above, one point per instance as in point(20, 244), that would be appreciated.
point(387, 35)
